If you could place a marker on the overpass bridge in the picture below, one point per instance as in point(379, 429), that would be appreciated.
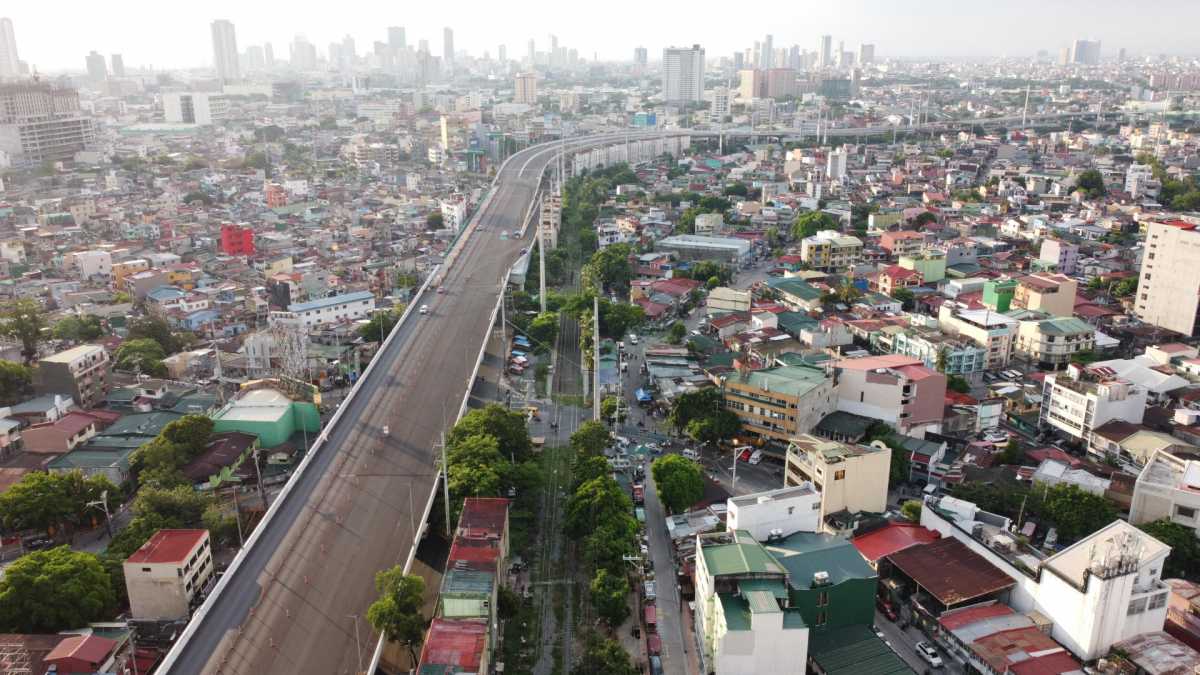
point(294, 599)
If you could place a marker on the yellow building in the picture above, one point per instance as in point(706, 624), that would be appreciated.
point(125, 268)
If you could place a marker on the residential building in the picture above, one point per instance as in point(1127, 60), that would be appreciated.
point(930, 264)
point(991, 638)
point(165, 575)
point(41, 122)
point(894, 277)
point(1100, 590)
point(525, 88)
point(710, 224)
point(835, 165)
point(80, 372)
point(998, 294)
point(902, 242)
point(126, 268)
point(1081, 400)
point(337, 309)
point(60, 436)
point(1168, 487)
point(225, 51)
point(949, 355)
point(779, 403)
point(1050, 343)
point(775, 513)
point(94, 265)
point(1085, 52)
point(831, 251)
point(1062, 254)
point(454, 214)
point(1053, 294)
point(237, 239)
point(1168, 293)
point(722, 300)
point(1140, 182)
point(200, 108)
point(897, 389)
point(993, 331)
point(851, 478)
point(683, 74)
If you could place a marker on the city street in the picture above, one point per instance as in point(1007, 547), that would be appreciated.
point(904, 641)
point(675, 646)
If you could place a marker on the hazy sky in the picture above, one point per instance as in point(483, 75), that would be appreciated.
point(57, 35)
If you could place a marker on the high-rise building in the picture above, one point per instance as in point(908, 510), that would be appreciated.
point(448, 49)
point(118, 65)
point(683, 74)
point(836, 165)
point(525, 88)
point(396, 38)
point(768, 52)
point(194, 108)
point(502, 53)
point(225, 51)
point(640, 56)
point(40, 122)
point(1085, 52)
point(866, 54)
point(97, 69)
point(532, 56)
point(10, 64)
point(268, 55)
point(304, 54)
point(1168, 293)
point(721, 100)
point(825, 51)
point(839, 56)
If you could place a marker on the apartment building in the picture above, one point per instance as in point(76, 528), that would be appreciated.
point(1168, 487)
point(894, 277)
point(683, 74)
point(779, 403)
point(897, 389)
point(41, 122)
point(948, 354)
point(930, 264)
point(125, 268)
point(1062, 254)
point(1053, 294)
point(93, 265)
point(851, 478)
point(831, 251)
point(550, 221)
point(324, 311)
point(80, 372)
point(902, 242)
point(1168, 294)
point(1050, 343)
point(164, 576)
point(198, 108)
point(1080, 400)
point(775, 512)
point(993, 331)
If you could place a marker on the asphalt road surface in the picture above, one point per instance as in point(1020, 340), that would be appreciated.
point(294, 603)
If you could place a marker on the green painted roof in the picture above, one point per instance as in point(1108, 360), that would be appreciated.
point(796, 287)
point(794, 322)
point(793, 619)
point(142, 424)
point(736, 610)
point(746, 556)
point(854, 650)
point(773, 586)
point(92, 459)
point(788, 380)
point(1066, 325)
point(806, 553)
point(761, 602)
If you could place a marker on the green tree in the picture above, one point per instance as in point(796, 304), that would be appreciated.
point(397, 612)
point(924, 218)
point(475, 467)
point(676, 333)
point(958, 383)
point(588, 467)
point(943, 356)
point(190, 432)
point(1091, 183)
point(911, 510)
point(610, 407)
point(1125, 287)
point(618, 318)
point(906, 298)
point(508, 427)
point(53, 590)
point(598, 501)
point(543, 331)
point(78, 328)
point(15, 382)
point(603, 656)
point(1012, 455)
point(715, 427)
point(156, 328)
point(612, 267)
point(1075, 512)
point(24, 320)
point(809, 223)
point(693, 405)
point(51, 501)
point(434, 221)
point(738, 189)
point(181, 505)
point(380, 325)
point(606, 545)
point(143, 355)
point(1184, 561)
point(139, 530)
point(590, 439)
point(679, 481)
point(610, 597)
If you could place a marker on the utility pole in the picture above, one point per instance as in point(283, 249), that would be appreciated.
point(1025, 110)
point(445, 485)
point(258, 474)
point(596, 358)
point(542, 258)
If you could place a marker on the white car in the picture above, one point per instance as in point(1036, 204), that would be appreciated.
point(691, 454)
point(927, 652)
point(995, 436)
point(424, 309)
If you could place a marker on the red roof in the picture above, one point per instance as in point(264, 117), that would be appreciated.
point(950, 571)
point(653, 644)
point(898, 272)
point(958, 618)
point(483, 517)
point(91, 649)
point(455, 642)
point(1048, 664)
point(475, 554)
point(894, 537)
point(167, 546)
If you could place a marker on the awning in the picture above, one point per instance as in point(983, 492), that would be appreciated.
point(643, 396)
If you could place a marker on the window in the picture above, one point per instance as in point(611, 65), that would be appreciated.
point(822, 599)
point(791, 509)
point(822, 618)
point(840, 474)
point(1185, 512)
point(145, 569)
point(1136, 607)
point(1158, 602)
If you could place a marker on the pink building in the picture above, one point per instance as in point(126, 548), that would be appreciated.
point(902, 242)
point(893, 388)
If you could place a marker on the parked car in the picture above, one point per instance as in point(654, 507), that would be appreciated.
point(926, 651)
point(885, 608)
point(745, 455)
point(424, 309)
point(656, 665)
point(691, 454)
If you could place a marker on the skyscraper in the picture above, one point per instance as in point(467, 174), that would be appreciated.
point(1085, 52)
point(825, 51)
point(268, 55)
point(768, 52)
point(866, 54)
point(10, 65)
point(532, 53)
point(448, 48)
point(225, 51)
point(304, 54)
point(42, 122)
point(502, 53)
point(525, 88)
point(683, 74)
point(1168, 292)
point(118, 65)
point(396, 38)
point(640, 55)
point(96, 67)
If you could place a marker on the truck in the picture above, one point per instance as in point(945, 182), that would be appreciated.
point(639, 494)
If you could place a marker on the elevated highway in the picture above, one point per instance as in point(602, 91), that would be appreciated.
point(292, 599)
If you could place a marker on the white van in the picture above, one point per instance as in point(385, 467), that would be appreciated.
point(756, 457)
point(633, 339)
point(424, 309)
point(691, 454)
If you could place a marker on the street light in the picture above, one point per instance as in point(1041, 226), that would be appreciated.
point(357, 642)
point(103, 505)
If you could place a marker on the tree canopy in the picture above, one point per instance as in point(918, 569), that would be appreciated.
point(53, 590)
point(24, 320)
point(397, 612)
point(15, 382)
point(52, 501)
point(1091, 182)
point(380, 325)
point(809, 223)
point(590, 439)
point(679, 481)
point(506, 426)
point(603, 656)
point(610, 597)
point(1184, 561)
point(157, 329)
point(78, 328)
point(142, 355)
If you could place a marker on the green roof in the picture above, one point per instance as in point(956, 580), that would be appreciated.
point(746, 556)
point(806, 553)
point(761, 602)
point(796, 287)
point(1066, 325)
point(794, 322)
point(845, 424)
point(793, 619)
point(81, 458)
point(142, 424)
point(736, 611)
point(773, 586)
point(467, 582)
point(787, 380)
point(854, 650)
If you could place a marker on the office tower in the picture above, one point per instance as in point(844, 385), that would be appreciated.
point(640, 56)
point(396, 37)
point(794, 61)
point(304, 54)
point(825, 51)
point(1168, 292)
point(118, 65)
point(683, 74)
point(836, 165)
point(768, 52)
point(739, 60)
point(96, 68)
point(502, 54)
point(448, 48)
point(756, 54)
point(423, 46)
point(532, 53)
point(254, 58)
point(1064, 56)
point(1121, 55)
point(268, 55)
point(721, 104)
point(194, 107)
point(1085, 52)
point(866, 54)
point(10, 64)
point(840, 55)
point(41, 122)
point(225, 51)
point(525, 88)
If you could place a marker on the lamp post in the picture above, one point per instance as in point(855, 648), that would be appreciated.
point(357, 642)
point(102, 503)
point(733, 485)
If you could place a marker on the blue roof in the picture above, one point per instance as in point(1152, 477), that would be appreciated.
point(327, 302)
point(166, 293)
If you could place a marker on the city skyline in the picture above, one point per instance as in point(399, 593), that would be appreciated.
point(938, 29)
